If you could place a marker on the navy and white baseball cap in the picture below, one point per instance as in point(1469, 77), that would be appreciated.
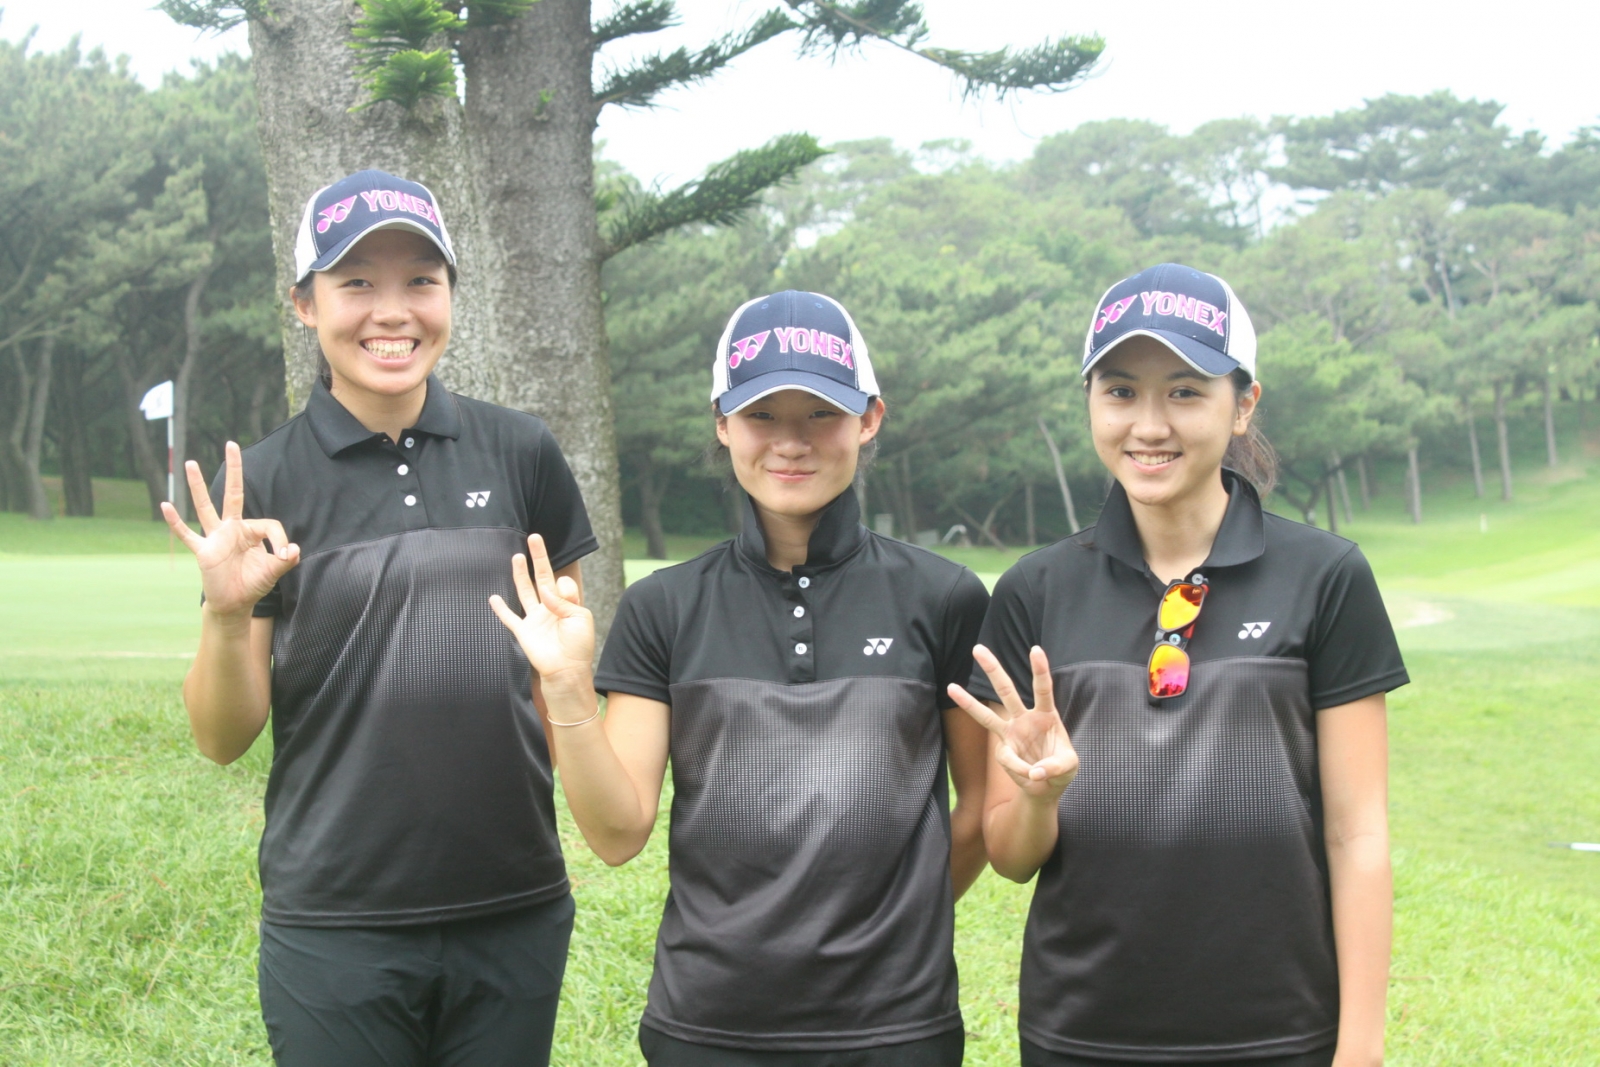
point(1193, 313)
point(792, 340)
point(339, 215)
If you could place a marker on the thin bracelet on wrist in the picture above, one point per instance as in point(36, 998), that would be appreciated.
point(580, 722)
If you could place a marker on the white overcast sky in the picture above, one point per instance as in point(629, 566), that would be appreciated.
point(1180, 64)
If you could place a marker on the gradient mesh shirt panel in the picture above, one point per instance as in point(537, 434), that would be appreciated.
point(810, 904)
point(1185, 912)
point(410, 780)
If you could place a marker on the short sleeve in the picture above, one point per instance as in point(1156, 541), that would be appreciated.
point(1352, 649)
point(555, 507)
point(271, 605)
point(964, 609)
point(1009, 631)
point(637, 657)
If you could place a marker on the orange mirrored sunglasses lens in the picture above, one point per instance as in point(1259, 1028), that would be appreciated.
point(1180, 606)
point(1169, 671)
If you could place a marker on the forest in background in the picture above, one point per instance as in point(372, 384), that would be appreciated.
point(1421, 277)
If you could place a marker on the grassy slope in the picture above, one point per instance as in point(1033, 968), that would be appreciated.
point(127, 893)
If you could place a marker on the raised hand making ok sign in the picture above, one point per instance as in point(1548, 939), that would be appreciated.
point(556, 631)
point(240, 559)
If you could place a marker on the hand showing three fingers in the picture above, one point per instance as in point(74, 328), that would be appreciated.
point(240, 559)
point(555, 630)
point(1033, 748)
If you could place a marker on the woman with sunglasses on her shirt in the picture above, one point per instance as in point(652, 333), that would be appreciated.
point(1201, 781)
point(797, 677)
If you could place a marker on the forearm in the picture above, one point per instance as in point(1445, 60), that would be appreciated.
point(604, 800)
point(228, 690)
point(1019, 833)
point(1363, 916)
point(967, 855)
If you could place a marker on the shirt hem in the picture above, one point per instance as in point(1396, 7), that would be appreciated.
point(1347, 693)
point(1283, 1046)
point(572, 554)
point(608, 684)
point(806, 1042)
point(417, 917)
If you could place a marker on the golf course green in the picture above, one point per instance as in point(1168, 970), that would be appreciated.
point(128, 894)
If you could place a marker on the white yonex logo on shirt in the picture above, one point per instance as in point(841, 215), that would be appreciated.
point(479, 499)
point(879, 645)
point(1253, 629)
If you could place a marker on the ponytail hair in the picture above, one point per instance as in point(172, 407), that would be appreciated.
point(1251, 455)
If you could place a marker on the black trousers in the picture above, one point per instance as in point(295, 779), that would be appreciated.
point(479, 992)
point(941, 1050)
point(1034, 1056)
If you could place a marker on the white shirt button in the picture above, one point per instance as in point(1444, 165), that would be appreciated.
point(799, 611)
point(410, 441)
point(800, 649)
point(410, 500)
point(402, 469)
point(805, 583)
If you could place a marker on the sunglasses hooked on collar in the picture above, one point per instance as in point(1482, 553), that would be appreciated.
point(1168, 669)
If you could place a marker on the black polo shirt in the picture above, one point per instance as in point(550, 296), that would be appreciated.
point(410, 780)
point(810, 904)
point(1184, 914)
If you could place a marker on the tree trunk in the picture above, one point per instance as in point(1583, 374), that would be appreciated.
point(72, 435)
point(1333, 512)
point(1344, 488)
point(906, 501)
point(1505, 444)
point(25, 441)
point(183, 384)
point(1550, 424)
point(514, 174)
point(1413, 485)
point(653, 482)
point(1061, 477)
point(1361, 475)
point(1027, 502)
point(1477, 453)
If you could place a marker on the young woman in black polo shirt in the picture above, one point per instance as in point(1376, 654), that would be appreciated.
point(415, 905)
point(796, 677)
point(1214, 883)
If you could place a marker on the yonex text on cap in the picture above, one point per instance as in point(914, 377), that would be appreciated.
point(1193, 313)
point(792, 340)
point(339, 215)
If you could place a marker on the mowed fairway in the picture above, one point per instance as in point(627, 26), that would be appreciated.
point(128, 892)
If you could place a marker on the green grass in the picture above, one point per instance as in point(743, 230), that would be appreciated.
point(128, 897)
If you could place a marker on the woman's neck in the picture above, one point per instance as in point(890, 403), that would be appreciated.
point(388, 415)
point(1177, 535)
point(788, 537)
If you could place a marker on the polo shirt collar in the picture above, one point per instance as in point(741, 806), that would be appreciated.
point(336, 429)
point(1241, 538)
point(837, 536)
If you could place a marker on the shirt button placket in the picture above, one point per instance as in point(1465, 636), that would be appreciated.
point(802, 646)
point(415, 511)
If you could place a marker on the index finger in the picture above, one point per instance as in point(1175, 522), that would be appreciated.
point(200, 496)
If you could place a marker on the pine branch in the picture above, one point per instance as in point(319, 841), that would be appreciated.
point(640, 84)
point(406, 77)
point(214, 15)
point(1053, 66)
point(388, 28)
point(646, 16)
point(728, 190)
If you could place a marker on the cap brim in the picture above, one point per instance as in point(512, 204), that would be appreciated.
point(1202, 357)
point(332, 256)
point(834, 392)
